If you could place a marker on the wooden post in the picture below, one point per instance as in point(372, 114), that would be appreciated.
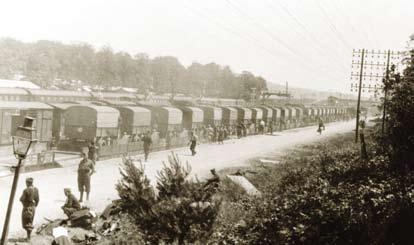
point(359, 95)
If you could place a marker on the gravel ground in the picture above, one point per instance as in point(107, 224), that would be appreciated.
point(233, 153)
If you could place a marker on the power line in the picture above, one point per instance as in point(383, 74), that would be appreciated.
point(269, 33)
point(332, 26)
point(319, 48)
point(338, 9)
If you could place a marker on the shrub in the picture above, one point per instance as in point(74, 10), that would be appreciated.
point(333, 198)
point(183, 211)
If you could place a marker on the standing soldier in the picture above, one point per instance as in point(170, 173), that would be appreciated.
point(92, 152)
point(321, 126)
point(271, 127)
point(147, 143)
point(193, 143)
point(85, 170)
point(30, 200)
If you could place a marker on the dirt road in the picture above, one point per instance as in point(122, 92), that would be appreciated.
point(233, 153)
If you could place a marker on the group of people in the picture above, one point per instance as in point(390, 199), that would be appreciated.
point(30, 196)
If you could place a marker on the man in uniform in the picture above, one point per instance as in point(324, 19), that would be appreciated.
point(147, 143)
point(193, 143)
point(72, 204)
point(214, 180)
point(30, 200)
point(85, 170)
point(321, 126)
point(92, 152)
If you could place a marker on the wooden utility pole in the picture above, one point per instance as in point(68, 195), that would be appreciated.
point(387, 79)
point(359, 95)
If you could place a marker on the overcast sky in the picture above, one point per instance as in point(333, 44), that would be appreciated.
point(306, 42)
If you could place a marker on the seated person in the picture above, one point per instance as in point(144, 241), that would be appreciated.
point(72, 204)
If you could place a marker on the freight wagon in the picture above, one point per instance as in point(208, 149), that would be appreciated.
point(230, 116)
point(54, 96)
point(212, 115)
point(88, 122)
point(244, 115)
point(193, 117)
point(135, 120)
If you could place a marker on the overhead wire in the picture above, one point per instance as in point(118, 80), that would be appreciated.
point(361, 35)
point(320, 49)
point(271, 35)
point(333, 27)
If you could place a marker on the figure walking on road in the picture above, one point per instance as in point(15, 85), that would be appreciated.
point(147, 144)
point(85, 170)
point(30, 200)
point(321, 126)
point(193, 143)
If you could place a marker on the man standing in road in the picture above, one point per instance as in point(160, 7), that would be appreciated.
point(72, 204)
point(147, 143)
point(85, 170)
point(30, 200)
point(92, 152)
point(193, 143)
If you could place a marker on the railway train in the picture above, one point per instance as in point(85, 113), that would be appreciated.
point(67, 116)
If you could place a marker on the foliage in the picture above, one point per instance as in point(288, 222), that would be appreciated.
point(331, 198)
point(45, 62)
point(398, 140)
point(184, 211)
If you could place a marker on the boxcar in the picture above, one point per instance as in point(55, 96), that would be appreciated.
point(229, 115)
point(14, 94)
point(267, 114)
point(53, 96)
point(212, 115)
point(58, 127)
point(134, 119)
point(166, 118)
point(244, 115)
point(87, 122)
point(114, 96)
point(193, 117)
point(13, 114)
point(257, 114)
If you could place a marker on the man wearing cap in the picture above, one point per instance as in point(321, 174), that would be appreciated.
point(72, 204)
point(85, 170)
point(147, 143)
point(193, 143)
point(30, 200)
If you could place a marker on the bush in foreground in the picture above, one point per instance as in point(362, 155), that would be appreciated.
point(333, 198)
point(182, 211)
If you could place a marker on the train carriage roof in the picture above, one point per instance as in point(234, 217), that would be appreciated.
point(175, 115)
point(62, 106)
point(197, 113)
point(13, 91)
point(114, 95)
point(106, 117)
point(50, 92)
point(141, 115)
point(24, 105)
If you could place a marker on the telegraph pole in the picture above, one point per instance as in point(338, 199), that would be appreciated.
point(374, 67)
point(387, 77)
point(359, 96)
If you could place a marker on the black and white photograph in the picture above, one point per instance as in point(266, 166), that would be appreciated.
point(225, 122)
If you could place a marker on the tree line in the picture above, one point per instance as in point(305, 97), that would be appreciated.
point(45, 62)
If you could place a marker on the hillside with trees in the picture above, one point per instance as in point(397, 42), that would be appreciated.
point(47, 62)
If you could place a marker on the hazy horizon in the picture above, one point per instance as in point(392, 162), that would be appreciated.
point(308, 43)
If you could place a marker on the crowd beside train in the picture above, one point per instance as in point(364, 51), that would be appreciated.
point(117, 125)
point(209, 130)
